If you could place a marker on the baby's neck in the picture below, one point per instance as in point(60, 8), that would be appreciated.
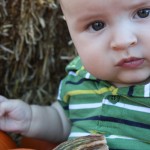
point(119, 85)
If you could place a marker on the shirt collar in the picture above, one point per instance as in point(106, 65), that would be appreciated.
point(77, 66)
point(132, 91)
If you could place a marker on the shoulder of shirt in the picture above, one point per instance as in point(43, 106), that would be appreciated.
point(74, 65)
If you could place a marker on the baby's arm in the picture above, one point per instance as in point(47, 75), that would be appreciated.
point(49, 123)
point(44, 122)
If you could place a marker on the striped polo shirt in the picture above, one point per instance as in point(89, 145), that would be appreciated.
point(97, 107)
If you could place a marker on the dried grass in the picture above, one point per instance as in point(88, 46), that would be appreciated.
point(34, 49)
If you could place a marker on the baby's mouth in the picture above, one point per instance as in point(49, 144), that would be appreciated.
point(132, 62)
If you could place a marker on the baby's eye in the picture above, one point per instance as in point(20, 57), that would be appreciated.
point(143, 13)
point(97, 25)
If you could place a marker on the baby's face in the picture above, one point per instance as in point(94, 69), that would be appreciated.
point(112, 38)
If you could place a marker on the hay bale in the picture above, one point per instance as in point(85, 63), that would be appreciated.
point(34, 49)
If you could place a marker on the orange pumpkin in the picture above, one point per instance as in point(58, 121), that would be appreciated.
point(6, 141)
point(22, 149)
point(36, 144)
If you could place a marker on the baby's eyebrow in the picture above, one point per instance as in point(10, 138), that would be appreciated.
point(136, 4)
point(89, 16)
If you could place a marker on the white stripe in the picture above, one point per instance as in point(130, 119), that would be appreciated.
point(87, 76)
point(72, 73)
point(147, 90)
point(59, 91)
point(78, 134)
point(85, 106)
point(119, 137)
point(127, 106)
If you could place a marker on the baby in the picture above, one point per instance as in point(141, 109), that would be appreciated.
point(107, 89)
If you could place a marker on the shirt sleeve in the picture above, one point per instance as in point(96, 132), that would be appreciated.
point(60, 98)
point(66, 87)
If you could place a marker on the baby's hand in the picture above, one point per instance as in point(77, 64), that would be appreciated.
point(15, 115)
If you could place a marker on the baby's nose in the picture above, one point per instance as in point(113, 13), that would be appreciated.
point(123, 39)
point(122, 45)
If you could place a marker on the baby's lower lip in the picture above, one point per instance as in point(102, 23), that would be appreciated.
point(131, 63)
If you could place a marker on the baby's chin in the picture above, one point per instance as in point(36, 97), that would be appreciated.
point(131, 83)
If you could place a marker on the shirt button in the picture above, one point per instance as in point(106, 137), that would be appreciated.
point(114, 99)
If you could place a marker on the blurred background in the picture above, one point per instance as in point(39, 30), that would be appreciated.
point(35, 47)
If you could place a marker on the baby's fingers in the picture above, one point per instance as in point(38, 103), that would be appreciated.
point(5, 107)
point(2, 98)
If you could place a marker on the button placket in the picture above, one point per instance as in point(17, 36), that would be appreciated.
point(113, 98)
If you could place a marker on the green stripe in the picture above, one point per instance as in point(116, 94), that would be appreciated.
point(124, 144)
